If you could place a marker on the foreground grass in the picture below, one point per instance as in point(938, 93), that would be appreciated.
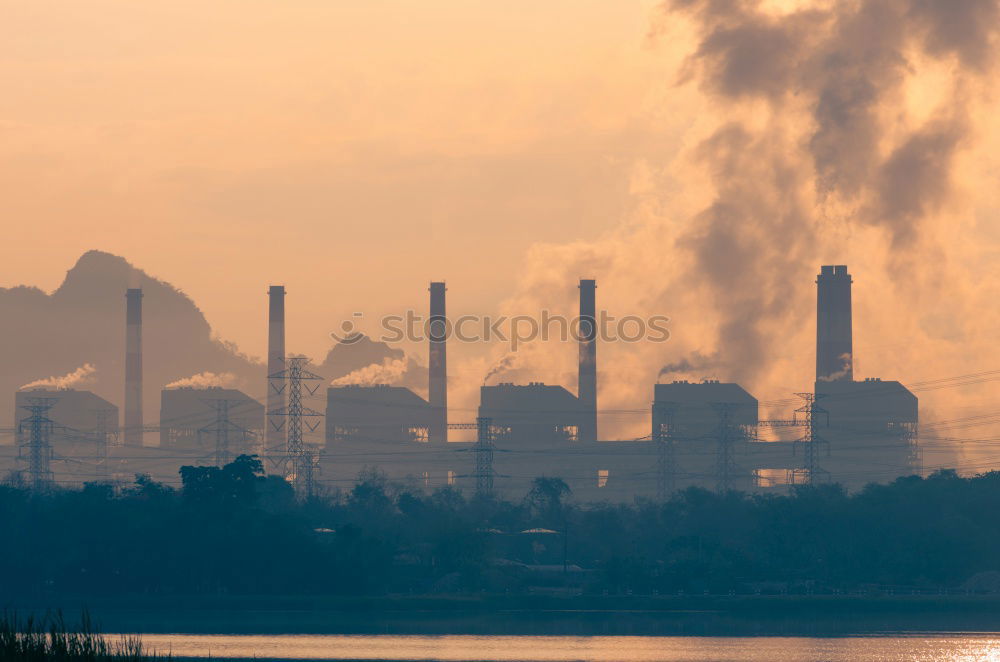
point(49, 639)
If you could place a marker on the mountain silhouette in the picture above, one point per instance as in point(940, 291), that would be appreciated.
point(83, 322)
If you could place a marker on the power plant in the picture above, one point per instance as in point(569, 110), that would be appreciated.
point(707, 434)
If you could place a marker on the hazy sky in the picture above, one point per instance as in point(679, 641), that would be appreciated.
point(699, 159)
point(350, 150)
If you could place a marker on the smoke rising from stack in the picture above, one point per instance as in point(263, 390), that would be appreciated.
point(834, 325)
point(831, 132)
point(389, 371)
point(205, 380)
point(78, 377)
point(505, 363)
point(686, 366)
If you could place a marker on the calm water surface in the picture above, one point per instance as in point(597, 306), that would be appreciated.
point(946, 647)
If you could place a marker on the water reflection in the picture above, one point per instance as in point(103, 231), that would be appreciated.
point(951, 647)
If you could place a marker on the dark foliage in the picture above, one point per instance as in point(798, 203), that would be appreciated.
point(234, 530)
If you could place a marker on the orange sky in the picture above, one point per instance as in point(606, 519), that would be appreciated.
point(354, 151)
point(351, 150)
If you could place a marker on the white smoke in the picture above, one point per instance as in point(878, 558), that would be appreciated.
point(845, 363)
point(81, 375)
point(388, 372)
point(205, 380)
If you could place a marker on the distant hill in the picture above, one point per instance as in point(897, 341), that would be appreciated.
point(83, 322)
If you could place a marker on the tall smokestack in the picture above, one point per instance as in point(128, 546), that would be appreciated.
point(276, 395)
point(437, 387)
point(834, 350)
point(133, 367)
point(587, 387)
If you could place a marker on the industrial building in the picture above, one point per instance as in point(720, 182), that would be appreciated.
point(78, 417)
point(377, 414)
point(194, 418)
point(391, 428)
point(532, 415)
point(708, 428)
point(77, 430)
point(705, 434)
point(868, 431)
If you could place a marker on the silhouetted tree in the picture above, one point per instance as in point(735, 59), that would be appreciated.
point(233, 529)
point(546, 498)
point(235, 483)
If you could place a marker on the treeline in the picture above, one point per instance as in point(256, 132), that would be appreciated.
point(235, 530)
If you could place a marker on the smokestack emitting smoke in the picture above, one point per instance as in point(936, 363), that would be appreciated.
point(833, 325)
point(133, 367)
point(856, 130)
point(587, 387)
point(437, 386)
point(275, 364)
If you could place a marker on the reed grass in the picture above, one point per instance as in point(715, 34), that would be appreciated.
point(49, 638)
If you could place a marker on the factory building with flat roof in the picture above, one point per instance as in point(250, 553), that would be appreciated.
point(189, 417)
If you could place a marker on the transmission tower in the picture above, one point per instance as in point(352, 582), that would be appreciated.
point(102, 434)
point(914, 456)
point(299, 461)
point(484, 456)
point(811, 472)
point(726, 434)
point(38, 428)
point(664, 436)
point(221, 429)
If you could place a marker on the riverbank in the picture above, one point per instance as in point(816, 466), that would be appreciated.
point(787, 615)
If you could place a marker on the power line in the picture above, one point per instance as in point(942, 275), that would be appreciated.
point(299, 461)
point(811, 440)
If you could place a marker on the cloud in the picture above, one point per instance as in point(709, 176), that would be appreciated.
point(822, 133)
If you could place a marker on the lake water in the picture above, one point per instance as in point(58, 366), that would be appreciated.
point(890, 648)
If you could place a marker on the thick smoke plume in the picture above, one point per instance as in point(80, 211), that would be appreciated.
point(812, 133)
point(78, 377)
point(819, 139)
point(205, 380)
